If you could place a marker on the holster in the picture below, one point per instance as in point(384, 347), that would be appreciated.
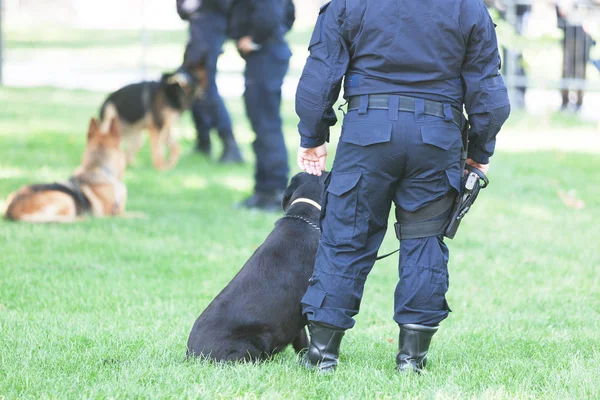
point(470, 186)
point(444, 216)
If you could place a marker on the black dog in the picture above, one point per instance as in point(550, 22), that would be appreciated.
point(259, 313)
point(155, 106)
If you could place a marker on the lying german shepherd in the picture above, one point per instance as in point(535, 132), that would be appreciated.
point(258, 313)
point(96, 187)
point(155, 106)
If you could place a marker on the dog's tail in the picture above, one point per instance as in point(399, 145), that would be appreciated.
point(107, 113)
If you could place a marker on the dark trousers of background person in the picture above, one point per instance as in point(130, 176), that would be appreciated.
point(516, 55)
point(264, 74)
point(210, 112)
point(384, 157)
point(576, 54)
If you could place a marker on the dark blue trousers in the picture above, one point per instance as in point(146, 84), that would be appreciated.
point(384, 157)
point(208, 33)
point(264, 74)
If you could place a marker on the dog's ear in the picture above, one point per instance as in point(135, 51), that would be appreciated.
point(93, 128)
point(165, 78)
point(115, 129)
point(289, 191)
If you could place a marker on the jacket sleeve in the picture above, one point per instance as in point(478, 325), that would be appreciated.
point(321, 79)
point(290, 15)
point(486, 96)
point(266, 18)
point(185, 8)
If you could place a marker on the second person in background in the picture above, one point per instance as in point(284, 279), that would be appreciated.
point(208, 31)
point(259, 27)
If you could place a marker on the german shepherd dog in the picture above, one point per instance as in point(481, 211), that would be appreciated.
point(155, 106)
point(259, 314)
point(96, 187)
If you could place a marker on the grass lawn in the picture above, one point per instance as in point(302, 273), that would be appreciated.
point(102, 309)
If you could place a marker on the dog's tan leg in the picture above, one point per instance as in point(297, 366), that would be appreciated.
point(174, 150)
point(157, 148)
point(134, 143)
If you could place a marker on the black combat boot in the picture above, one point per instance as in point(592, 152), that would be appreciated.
point(203, 147)
point(324, 348)
point(414, 344)
point(269, 201)
point(231, 152)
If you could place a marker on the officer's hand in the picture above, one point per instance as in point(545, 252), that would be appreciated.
point(482, 167)
point(246, 45)
point(313, 160)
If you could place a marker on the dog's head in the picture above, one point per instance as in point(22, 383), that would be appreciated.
point(185, 85)
point(103, 149)
point(304, 185)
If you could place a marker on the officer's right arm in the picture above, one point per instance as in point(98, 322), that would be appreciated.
point(486, 97)
point(321, 80)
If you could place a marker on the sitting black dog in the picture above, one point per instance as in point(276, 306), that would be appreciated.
point(259, 313)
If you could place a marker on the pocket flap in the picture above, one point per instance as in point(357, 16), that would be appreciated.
point(343, 183)
point(443, 136)
point(497, 93)
point(366, 133)
point(313, 297)
point(454, 177)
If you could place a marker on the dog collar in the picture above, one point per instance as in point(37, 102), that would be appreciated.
point(307, 201)
point(301, 218)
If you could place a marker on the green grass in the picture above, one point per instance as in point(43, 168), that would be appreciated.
point(86, 38)
point(102, 309)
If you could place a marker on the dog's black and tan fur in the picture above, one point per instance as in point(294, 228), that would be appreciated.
point(96, 187)
point(154, 106)
point(259, 313)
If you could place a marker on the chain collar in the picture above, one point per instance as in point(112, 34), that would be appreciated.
point(300, 218)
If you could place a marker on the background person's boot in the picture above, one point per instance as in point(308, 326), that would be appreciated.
point(269, 201)
point(231, 152)
point(324, 348)
point(203, 147)
point(413, 347)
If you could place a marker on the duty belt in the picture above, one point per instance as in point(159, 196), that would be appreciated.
point(405, 103)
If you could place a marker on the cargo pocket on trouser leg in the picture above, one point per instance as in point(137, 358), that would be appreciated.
point(343, 223)
point(331, 299)
point(313, 297)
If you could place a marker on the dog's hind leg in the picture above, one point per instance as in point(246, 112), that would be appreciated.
point(132, 145)
point(301, 341)
point(174, 150)
point(157, 147)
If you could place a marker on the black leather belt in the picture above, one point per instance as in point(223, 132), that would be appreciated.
point(405, 103)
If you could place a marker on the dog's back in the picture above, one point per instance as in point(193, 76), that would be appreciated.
point(131, 103)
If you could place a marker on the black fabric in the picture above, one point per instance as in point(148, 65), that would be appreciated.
point(82, 204)
point(290, 15)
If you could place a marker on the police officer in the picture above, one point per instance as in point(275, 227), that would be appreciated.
point(408, 68)
point(208, 31)
point(259, 27)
